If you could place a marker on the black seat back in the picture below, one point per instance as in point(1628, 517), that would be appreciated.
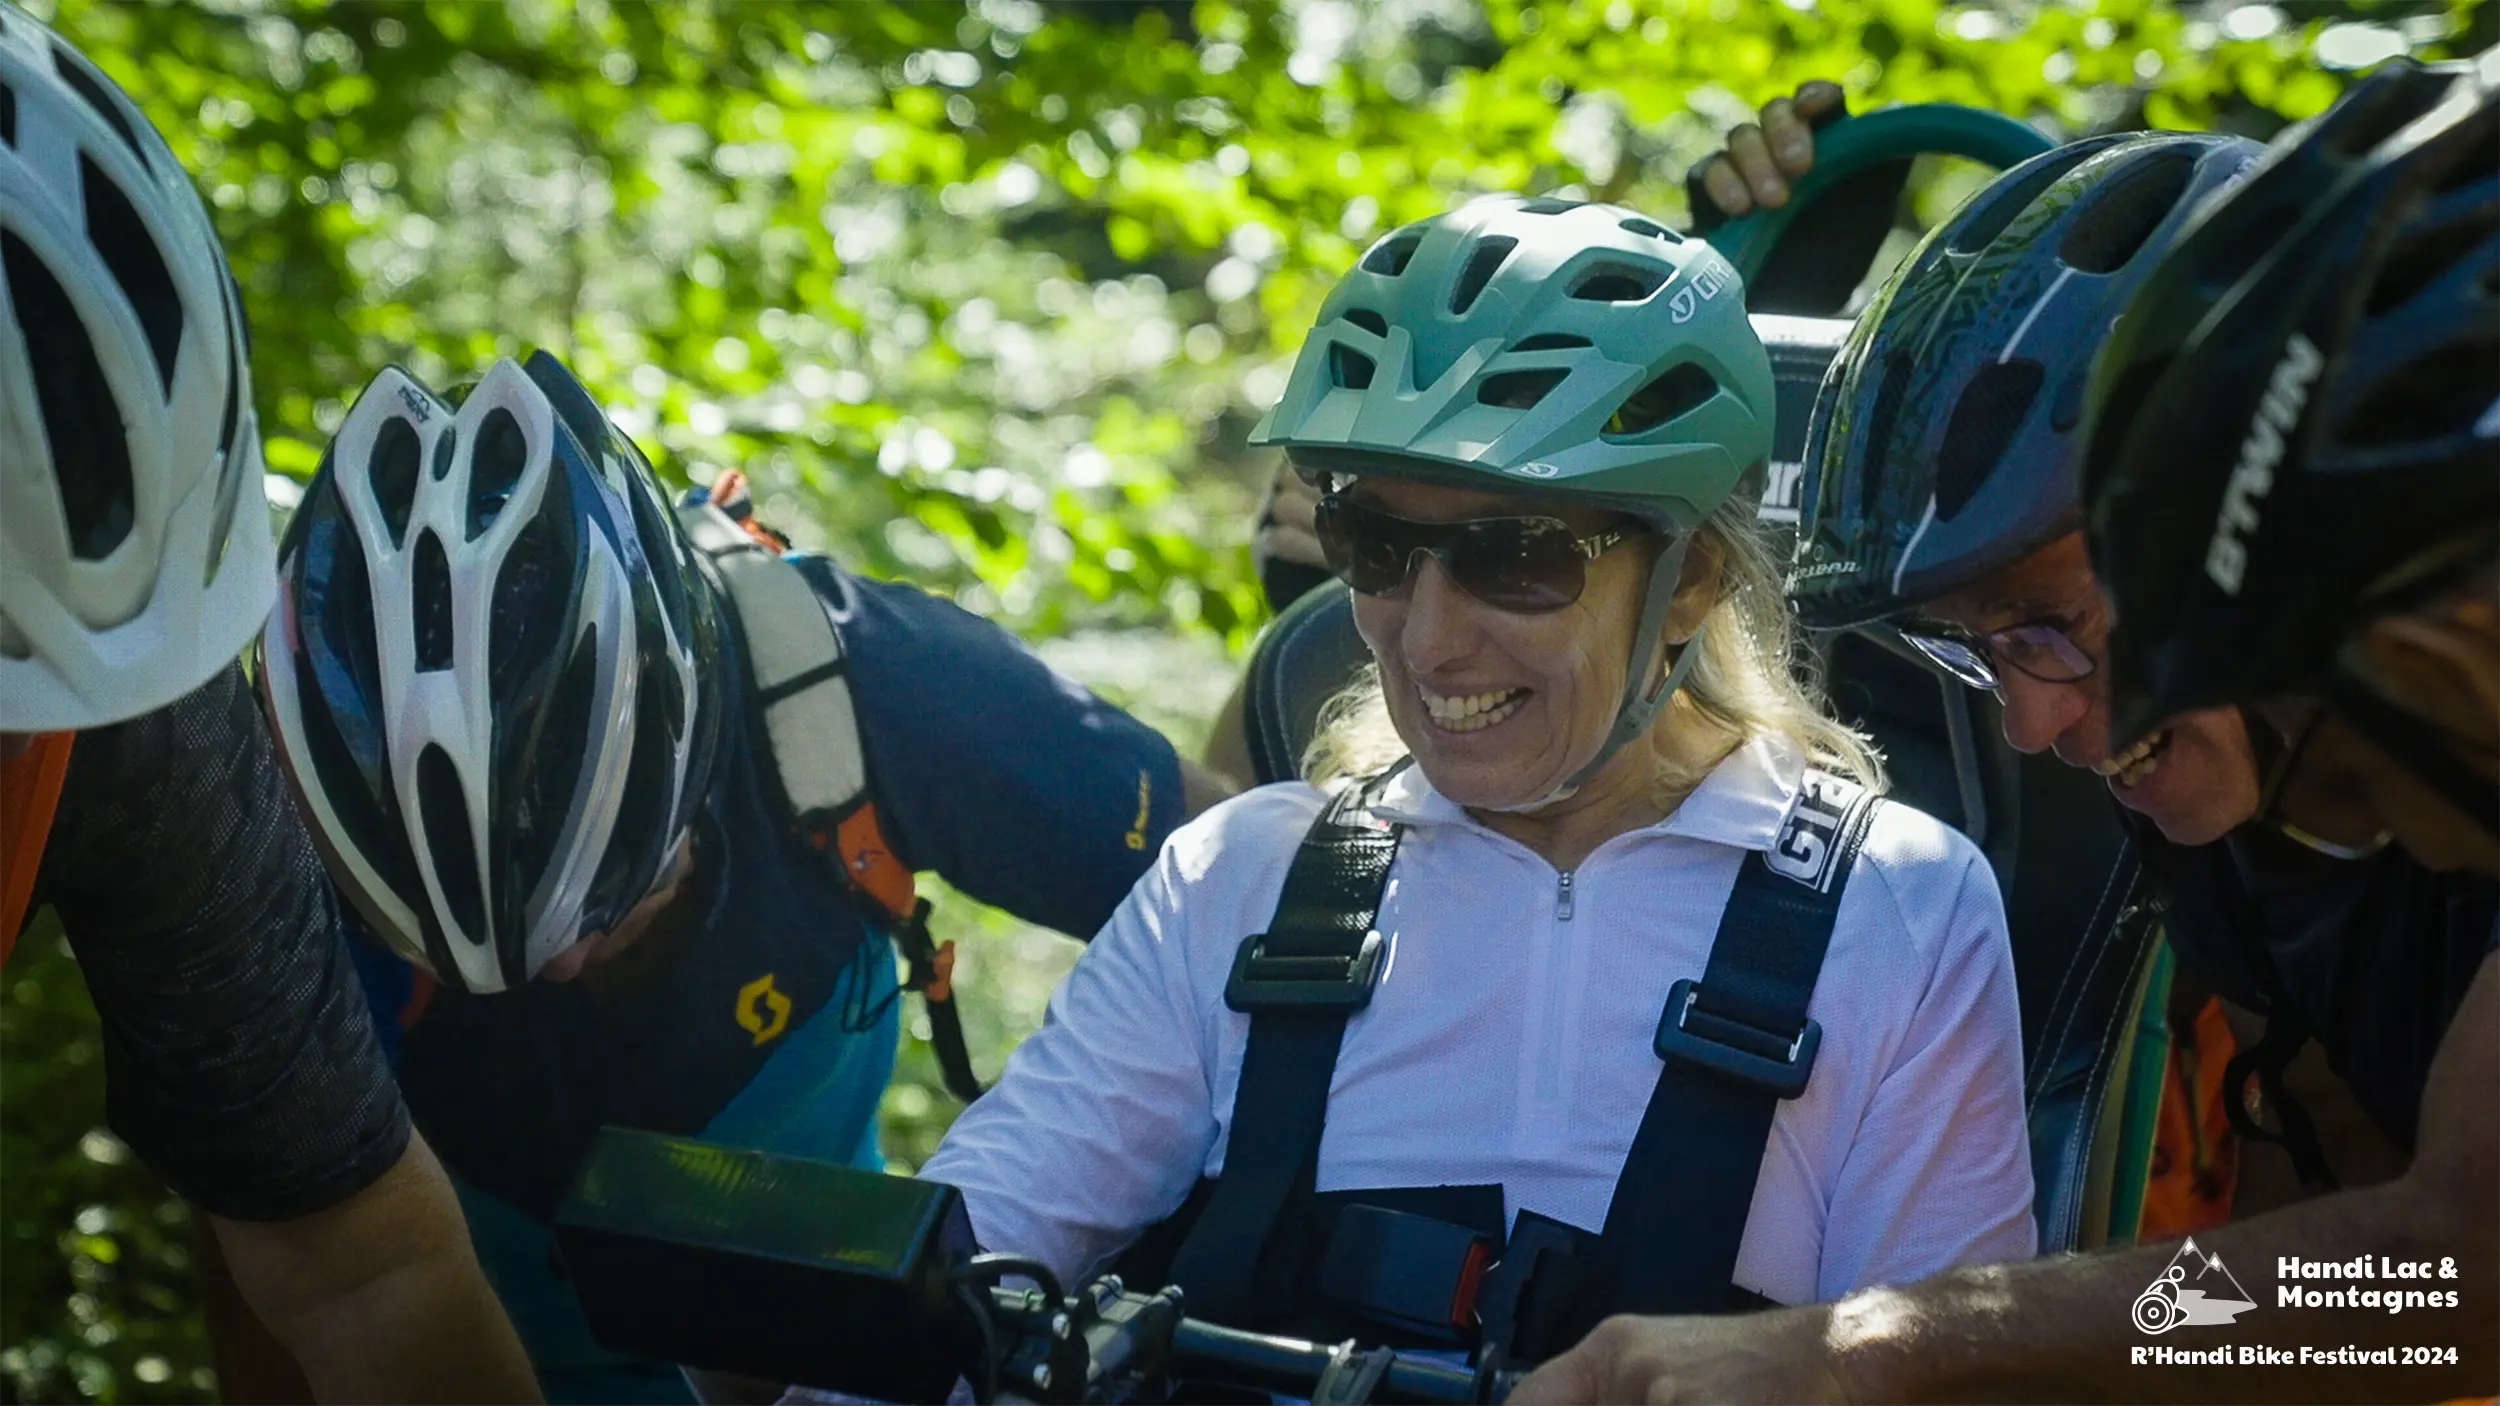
point(2063, 863)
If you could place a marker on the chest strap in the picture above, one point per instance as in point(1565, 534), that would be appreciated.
point(819, 777)
point(1298, 982)
point(1731, 1046)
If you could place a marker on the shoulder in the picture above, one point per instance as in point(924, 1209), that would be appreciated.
point(1247, 836)
point(1925, 878)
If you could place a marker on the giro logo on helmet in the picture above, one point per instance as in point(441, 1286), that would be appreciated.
point(1537, 470)
point(1688, 301)
point(2226, 556)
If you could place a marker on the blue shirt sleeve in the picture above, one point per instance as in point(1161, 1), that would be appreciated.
point(1019, 786)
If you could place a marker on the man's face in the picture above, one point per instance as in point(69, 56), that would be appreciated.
point(2196, 778)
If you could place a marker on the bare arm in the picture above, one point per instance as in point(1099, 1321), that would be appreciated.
point(380, 1297)
point(2059, 1329)
point(1203, 786)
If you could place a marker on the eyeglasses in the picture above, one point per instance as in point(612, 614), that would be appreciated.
point(1524, 565)
point(2042, 650)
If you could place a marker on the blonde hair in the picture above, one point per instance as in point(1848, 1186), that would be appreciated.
point(1755, 678)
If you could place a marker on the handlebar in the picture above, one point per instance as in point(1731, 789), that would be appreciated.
point(1106, 1343)
point(792, 1270)
point(1853, 144)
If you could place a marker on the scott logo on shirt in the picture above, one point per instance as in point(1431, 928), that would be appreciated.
point(763, 1011)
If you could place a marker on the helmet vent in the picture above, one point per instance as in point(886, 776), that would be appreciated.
point(230, 485)
point(1393, 255)
point(2474, 156)
point(122, 241)
point(496, 462)
point(234, 386)
point(431, 603)
point(1519, 390)
point(1369, 321)
point(1680, 390)
point(1550, 341)
point(2359, 126)
point(516, 630)
point(1481, 264)
point(1350, 368)
point(2125, 212)
point(8, 116)
point(1985, 420)
point(446, 446)
point(1548, 205)
point(2436, 395)
point(394, 475)
point(644, 815)
point(82, 425)
point(1982, 226)
point(550, 763)
point(2422, 256)
point(1638, 225)
point(73, 71)
point(443, 810)
point(1618, 283)
point(13, 643)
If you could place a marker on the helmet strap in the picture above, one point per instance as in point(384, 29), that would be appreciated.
point(2415, 746)
point(1641, 702)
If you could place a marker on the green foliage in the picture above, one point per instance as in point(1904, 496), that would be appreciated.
point(96, 1298)
point(984, 294)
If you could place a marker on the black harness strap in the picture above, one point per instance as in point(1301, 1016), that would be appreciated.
point(1734, 1046)
point(1298, 982)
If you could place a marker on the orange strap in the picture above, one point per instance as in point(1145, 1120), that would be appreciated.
point(2195, 1153)
point(30, 791)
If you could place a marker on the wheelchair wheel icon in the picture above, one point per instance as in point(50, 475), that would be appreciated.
point(2157, 1309)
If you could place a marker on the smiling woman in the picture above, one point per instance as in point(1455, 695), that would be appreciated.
point(1582, 788)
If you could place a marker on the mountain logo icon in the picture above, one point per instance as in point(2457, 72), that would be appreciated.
point(2190, 1293)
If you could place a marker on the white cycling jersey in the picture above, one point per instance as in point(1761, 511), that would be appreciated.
point(1509, 1039)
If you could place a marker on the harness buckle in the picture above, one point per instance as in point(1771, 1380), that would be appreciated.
point(1762, 1059)
point(1262, 980)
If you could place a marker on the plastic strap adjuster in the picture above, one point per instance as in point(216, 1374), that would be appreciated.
point(1310, 981)
point(1775, 1063)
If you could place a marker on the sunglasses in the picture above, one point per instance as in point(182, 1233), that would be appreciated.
point(1523, 565)
point(2043, 651)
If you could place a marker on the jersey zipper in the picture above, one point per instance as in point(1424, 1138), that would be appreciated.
point(1562, 899)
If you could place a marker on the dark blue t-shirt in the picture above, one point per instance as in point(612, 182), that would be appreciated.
point(773, 1023)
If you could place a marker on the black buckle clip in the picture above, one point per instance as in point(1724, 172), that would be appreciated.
point(1322, 981)
point(1762, 1059)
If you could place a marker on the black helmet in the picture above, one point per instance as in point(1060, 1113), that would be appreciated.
point(2298, 426)
point(494, 669)
point(1943, 442)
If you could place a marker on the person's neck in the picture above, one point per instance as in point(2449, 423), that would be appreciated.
point(1625, 795)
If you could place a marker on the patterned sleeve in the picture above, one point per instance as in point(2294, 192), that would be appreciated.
point(241, 1062)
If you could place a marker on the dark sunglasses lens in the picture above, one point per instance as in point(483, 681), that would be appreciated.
point(1367, 549)
point(1526, 565)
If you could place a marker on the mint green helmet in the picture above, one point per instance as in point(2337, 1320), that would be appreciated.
point(1549, 348)
point(1567, 350)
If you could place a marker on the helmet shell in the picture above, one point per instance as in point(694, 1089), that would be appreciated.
point(493, 670)
point(2298, 425)
point(135, 552)
point(1944, 439)
point(1571, 350)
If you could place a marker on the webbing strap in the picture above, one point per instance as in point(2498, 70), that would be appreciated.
point(1299, 982)
point(30, 791)
point(1733, 1047)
